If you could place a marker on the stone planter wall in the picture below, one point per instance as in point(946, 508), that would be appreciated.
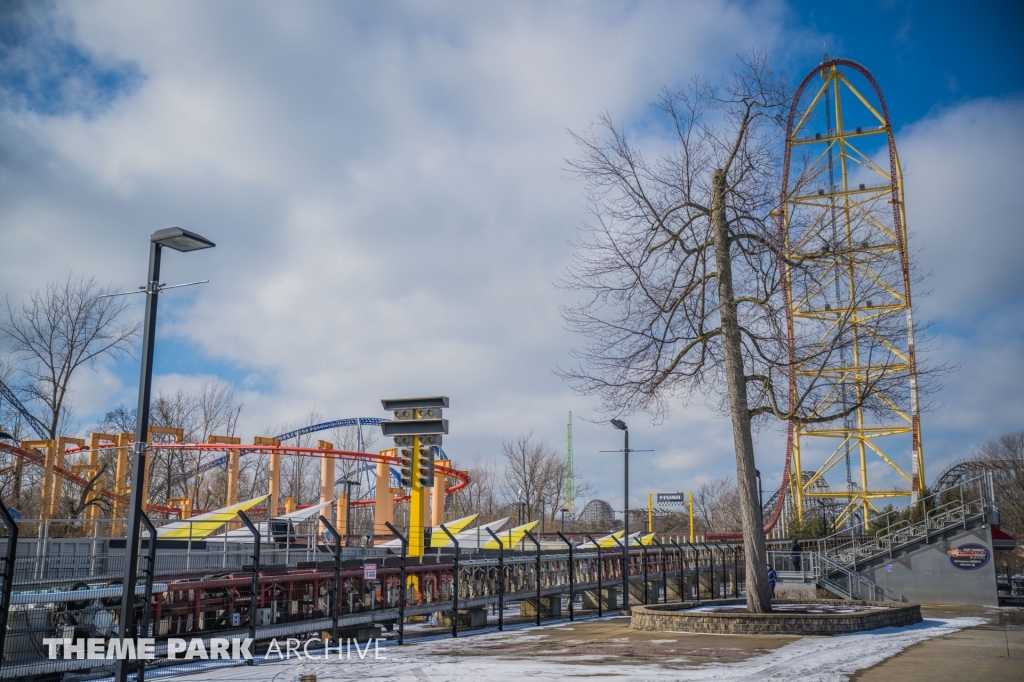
point(672, 618)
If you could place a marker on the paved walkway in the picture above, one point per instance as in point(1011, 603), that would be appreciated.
point(992, 652)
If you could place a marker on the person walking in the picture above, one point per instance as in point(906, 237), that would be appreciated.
point(772, 579)
point(796, 550)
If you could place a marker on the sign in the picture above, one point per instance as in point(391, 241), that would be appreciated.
point(969, 557)
point(888, 568)
point(671, 498)
point(369, 571)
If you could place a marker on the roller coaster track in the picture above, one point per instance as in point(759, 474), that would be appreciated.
point(37, 426)
point(461, 477)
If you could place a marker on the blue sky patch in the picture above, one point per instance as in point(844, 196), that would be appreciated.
point(43, 69)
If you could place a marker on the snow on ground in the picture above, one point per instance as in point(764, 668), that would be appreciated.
point(819, 659)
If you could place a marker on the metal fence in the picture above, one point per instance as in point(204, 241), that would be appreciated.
point(310, 588)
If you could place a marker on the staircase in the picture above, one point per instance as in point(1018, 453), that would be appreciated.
point(839, 558)
point(827, 573)
point(903, 529)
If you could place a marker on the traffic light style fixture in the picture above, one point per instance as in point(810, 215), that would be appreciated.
point(417, 429)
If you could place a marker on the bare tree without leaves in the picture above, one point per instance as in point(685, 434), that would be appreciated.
point(680, 267)
point(1004, 457)
point(534, 474)
point(57, 331)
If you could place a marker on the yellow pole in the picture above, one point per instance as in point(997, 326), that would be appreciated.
point(693, 538)
point(416, 504)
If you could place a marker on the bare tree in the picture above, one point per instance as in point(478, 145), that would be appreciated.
point(681, 274)
point(1004, 456)
point(716, 506)
point(58, 330)
point(533, 474)
point(482, 495)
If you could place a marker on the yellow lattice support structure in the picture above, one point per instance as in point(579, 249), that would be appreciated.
point(847, 279)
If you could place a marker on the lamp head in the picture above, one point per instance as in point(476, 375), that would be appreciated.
point(6, 436)
point(619, 424)
point(181, 240)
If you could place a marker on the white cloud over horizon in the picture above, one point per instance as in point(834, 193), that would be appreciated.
point(386, 189)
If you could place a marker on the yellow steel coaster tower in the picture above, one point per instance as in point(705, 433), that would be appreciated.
point(846, 275)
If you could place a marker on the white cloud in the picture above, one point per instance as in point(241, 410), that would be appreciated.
point(386, 190)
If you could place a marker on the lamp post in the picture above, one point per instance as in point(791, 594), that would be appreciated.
point(621, 426)
point(760, 495)
point(564, 511)
point(179, 240)
point(349, 483)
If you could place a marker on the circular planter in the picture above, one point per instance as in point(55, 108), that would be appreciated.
point(683, 618)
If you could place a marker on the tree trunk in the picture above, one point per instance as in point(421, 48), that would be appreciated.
point(754, 550)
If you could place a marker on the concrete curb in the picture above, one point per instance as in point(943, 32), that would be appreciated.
point(675, 618)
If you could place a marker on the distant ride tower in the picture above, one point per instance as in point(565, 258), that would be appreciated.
point(846, 274)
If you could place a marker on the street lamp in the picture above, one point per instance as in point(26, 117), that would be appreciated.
point(564, 511)
point(760, 495)
point(349, 484)
point(621, 426)
point(179, 240)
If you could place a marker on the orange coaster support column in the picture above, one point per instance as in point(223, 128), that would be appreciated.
point(50, 449)
point(124, 442)
point(326, 474)
point(58, 481)
point(232, 494)
point(384, 504)
point(439, 492)
point(275, 471)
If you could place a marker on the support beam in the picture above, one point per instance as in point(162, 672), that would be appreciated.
point(232, 493)
point(326, 473)
point(124, 441)
point(58, 482)
point(340, 518)
point(384, 504)
point(439, 492)
point(275, 471)
point(49, 447)
point(95, 445)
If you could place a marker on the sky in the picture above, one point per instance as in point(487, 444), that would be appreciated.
point(386, 186)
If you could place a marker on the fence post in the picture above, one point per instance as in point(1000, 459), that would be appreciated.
point(401, 593)
point(501, 580)
point(572, 577)
point(537, 543)
point(625, 573)
point(254, 598)
point(643, 550)
point(600, 596)
point(696, 563)
point(455, 582)
point(682, 583)
point(140, 675)
point(8, 573)
point(664, 571)
point(735, 572)
point(336, 599)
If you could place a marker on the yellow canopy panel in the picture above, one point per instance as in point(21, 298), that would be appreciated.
point(645, 541)
point(511, 537)
point(199, 527)
point(438, 537)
